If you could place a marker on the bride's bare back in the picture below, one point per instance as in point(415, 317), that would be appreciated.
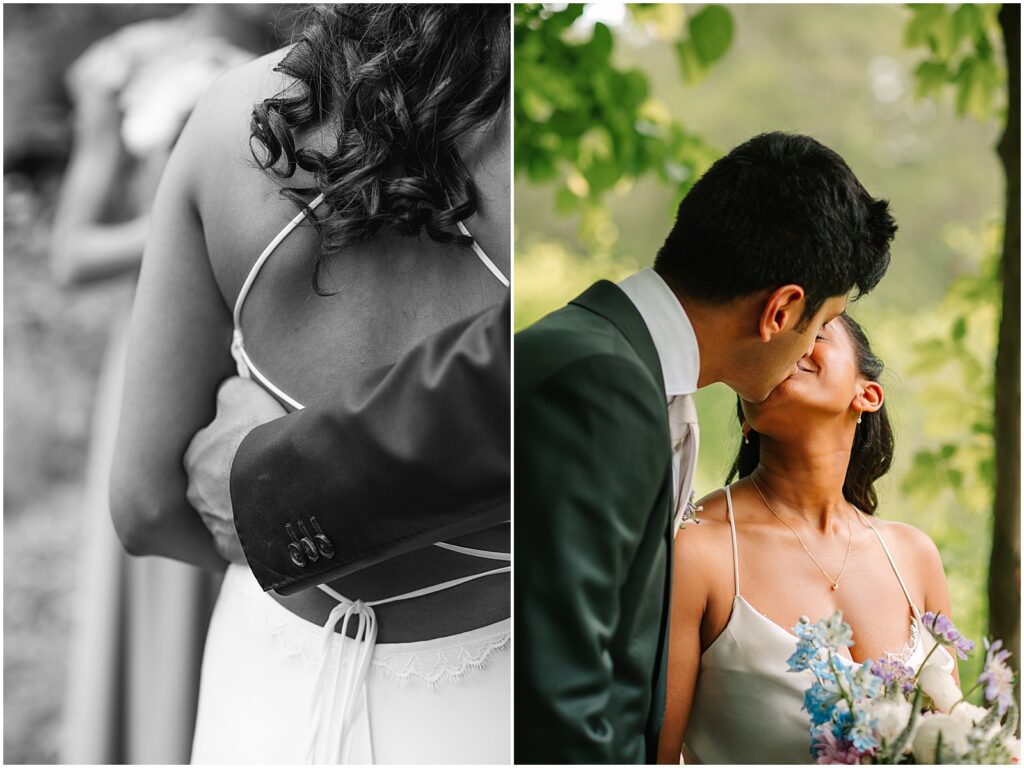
point(388, 294)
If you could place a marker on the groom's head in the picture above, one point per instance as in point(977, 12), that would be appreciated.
point(775, 235)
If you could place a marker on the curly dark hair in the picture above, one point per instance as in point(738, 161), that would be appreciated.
point(873, 443)
point(399, 85)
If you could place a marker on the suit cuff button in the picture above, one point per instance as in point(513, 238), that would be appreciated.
point(296, 554)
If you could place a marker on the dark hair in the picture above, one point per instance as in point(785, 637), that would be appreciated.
point(873, 442)
point(399, 85)
point(780, 208)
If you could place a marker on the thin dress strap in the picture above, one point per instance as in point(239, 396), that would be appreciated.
point(484, 257)
point(245, 363)
point(237, 341)
point(732, 531)
point(895, 570)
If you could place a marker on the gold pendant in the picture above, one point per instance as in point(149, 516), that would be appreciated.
point(835, 587)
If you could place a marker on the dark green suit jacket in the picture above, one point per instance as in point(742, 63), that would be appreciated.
point(593, 542)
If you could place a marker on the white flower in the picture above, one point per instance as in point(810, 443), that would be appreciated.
point(891, 716)
point(954, 738)
point(940, 687)
point(970, 715)
point(1013, 745)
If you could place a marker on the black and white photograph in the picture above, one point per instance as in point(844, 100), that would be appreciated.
point(257, 402)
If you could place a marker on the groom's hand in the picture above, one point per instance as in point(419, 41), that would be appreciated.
point(242, 405)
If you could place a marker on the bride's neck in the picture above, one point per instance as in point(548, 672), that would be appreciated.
point(806, 477)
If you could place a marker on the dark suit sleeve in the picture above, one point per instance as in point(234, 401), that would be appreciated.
point(421, 457)
point(587, 474)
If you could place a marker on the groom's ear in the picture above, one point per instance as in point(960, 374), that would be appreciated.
point(870, 398)
point(782, 310)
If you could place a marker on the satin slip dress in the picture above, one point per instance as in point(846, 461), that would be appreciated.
point(747, 705)
point(277, 688)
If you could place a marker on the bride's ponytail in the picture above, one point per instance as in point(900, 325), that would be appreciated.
point(873, 443)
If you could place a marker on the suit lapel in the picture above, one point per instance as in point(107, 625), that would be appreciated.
point(607, 299)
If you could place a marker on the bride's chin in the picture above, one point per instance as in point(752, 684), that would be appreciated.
point(783, 391)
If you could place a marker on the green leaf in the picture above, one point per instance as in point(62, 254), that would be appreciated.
point(967, 22)
point(690, 66)
point(931, 75)
point(921, 27)
point(600, 46)
point(711, 31)
point(959, 329)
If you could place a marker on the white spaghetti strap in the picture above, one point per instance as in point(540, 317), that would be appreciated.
point(242, 356)
point(899, 576)
point(484, 257)
point(732, 532)
point(484, 553)
point(255, 270)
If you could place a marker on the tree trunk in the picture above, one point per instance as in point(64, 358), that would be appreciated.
point(1004, 566)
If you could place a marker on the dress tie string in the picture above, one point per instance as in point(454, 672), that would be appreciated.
point(336, 707)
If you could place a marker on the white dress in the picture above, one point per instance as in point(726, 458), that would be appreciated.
point(277, 688)
point(747, 706)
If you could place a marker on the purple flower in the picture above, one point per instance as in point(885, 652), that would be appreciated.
point(946, 633)
point(997, 677)
point(894, 674)
point(828, 749)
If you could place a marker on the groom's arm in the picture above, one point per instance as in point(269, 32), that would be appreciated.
point(423, 457)
point(587, 474)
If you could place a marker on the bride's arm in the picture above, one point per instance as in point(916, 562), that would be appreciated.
point(689, 600)
point(933, 576)
point(178, 353)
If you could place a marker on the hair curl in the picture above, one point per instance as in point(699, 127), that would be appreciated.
point(873, 443)
point(399, 85)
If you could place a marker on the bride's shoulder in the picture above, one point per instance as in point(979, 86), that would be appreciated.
point(910, 544)
point(705, 536)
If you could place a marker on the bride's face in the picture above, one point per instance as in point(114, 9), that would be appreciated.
point(824, 384)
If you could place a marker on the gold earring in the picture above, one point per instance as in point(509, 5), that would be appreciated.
point(859, 416)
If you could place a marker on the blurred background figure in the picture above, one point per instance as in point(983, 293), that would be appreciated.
point(132, 629)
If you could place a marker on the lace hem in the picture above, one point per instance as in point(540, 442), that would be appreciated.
point(905, 653)
point(432, 661)
point(442, 665)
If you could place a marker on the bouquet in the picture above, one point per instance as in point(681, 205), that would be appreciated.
point(883, 712)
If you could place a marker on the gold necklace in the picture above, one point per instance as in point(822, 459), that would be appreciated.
point(835, 581)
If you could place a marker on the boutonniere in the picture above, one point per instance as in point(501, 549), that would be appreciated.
point(690, 511)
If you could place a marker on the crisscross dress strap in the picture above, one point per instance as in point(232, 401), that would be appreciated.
point(245, 364)
point(336, 707)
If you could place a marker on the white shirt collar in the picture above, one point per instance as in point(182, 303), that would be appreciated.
point(670, 329)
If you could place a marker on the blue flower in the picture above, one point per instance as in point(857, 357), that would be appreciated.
point(820, 702)
point(822, 668)
point(834, 633)
point(863, 682)
point(802, 657)
point(842, 721)
point(862, 732)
